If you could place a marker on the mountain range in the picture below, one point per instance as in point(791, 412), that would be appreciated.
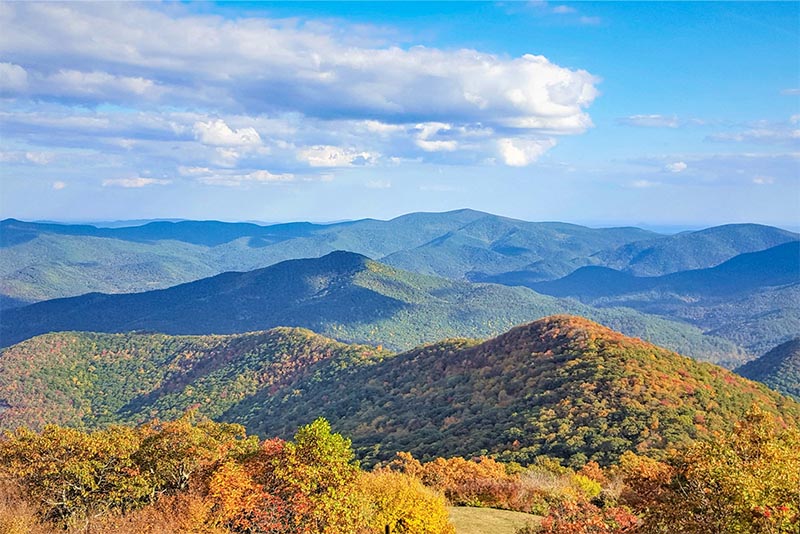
point(346, 296)
point(752, 299)
point(43, 261)
point(562, 386)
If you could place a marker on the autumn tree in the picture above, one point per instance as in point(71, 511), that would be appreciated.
point(402, 503)
point(747, 481)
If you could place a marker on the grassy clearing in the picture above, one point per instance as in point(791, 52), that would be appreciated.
point(469, 520)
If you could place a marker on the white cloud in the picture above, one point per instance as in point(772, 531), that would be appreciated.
point(643, 184)
point(13, 78)
point(383, 128)
point(58, 185)
point(431, 129)
point(134, 182)
point(217, 133)
point(763, 180)
point(563, 10)
point(233, 178)
point(791, 92)
point(38, 158)
point(194, 171)
point(651, 121)
point(676, 167)
point(522, 152)
point(67, 82)
point(236, 180)
point(260, 65)
point(763, 133)
point(263, 93)
point(333, 156)
point(725, 168)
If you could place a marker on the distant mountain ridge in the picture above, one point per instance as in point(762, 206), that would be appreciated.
point(41, 261)
point(776, 266)
point(752, 299)
point(343, 295)
point(779, 368)
point(562, 386)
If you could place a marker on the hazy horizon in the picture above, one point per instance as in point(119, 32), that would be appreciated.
point(663, 228)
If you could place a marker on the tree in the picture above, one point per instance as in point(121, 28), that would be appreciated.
point(745, 482)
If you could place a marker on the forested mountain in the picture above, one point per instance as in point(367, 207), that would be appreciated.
point(492, 245)
point(778, 368)
point(776, 266)
point(562, 386)
point(752, 300)
point(692, 250)
point(45, 261)
point(85, 379)
point(345, 296)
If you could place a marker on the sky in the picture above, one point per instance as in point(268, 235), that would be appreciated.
point(598, 113)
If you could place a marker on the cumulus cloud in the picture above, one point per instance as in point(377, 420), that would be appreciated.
point(218, 133)
point(334, 156)
point(58, 185)
point(133, 182)
point(263, 65)
point(102, 85)
point(522, 152)
point(676, 167)
point(425, 133)
point(194, 90)
point(650, 121)
point(13, 78)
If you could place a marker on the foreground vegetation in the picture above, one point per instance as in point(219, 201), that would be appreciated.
point(189, 476)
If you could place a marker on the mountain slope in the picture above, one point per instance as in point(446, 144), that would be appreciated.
point(85, 379)
point(491, 245)
point(692, 250)
point(45, 261)
point(342, 295)
point(752, 300)
point(776, 266)
point(778, 368)
point(562, 386)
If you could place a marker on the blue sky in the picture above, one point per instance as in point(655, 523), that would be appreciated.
point(670, 113)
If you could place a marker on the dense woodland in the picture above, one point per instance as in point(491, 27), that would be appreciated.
point(561, 386)
point(778, 368)
point(198, 476)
